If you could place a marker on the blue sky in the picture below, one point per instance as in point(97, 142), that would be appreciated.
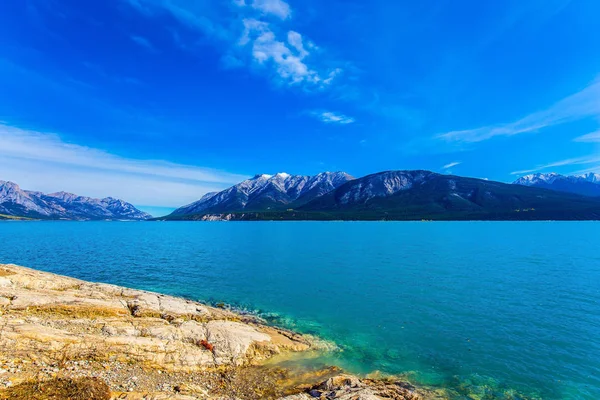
point(160, 101)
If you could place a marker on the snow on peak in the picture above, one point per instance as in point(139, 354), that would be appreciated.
point(275, 190)
point(64, 196)
point(9, 185)
point(591, 177)
point(261, 176)
point(15, 201)
point(549, 178)
point(532, 179)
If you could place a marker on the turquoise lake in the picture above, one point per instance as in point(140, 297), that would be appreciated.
point(489, 310)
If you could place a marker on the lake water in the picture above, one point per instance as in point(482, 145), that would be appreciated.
point(503, 310)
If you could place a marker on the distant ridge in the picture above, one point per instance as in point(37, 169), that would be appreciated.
point(586, 185)
point(16, 202)
point(389, 195)
point(267, 193)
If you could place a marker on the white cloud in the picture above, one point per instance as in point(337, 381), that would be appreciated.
point(40, 161)
point(284, 54)
point(253, 28)
point(278, 8)
point(452, 164)
point(583, 104)
point(329, 117)
point(562, 163)
point(593, 137)
point(332, 75)
point(288, 61)
point(295, 40)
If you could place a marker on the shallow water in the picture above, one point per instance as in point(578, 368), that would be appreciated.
point(487, 310)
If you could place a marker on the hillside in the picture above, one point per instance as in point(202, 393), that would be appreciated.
point(418, 195)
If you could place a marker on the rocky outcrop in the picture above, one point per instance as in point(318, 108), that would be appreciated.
point(50, 321)
point(120, 323)
point(56, 330)
point(347, 387)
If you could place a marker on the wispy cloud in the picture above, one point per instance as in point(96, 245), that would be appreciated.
point(562, 163)
point(329, 117)
point(254, 40)
point(41, 161)
point(143, 42)
point(278, 8)
point(452, 164)
point(295, 40)
point(593, 137)
point(583, 104)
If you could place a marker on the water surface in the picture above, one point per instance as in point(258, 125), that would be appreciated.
point(486, 309)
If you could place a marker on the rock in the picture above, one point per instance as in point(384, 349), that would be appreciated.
point(348, 387)
point(301, 396)
point(5, 282)
point(231, 340)
point(338, 382)
point(192, 331)
point(165, 332)
point(59, 317)
point(144, 344)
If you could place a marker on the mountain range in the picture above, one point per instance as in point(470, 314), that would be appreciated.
point(267, 193)
point(389, 195)
point(587, 185)
point(16, 202)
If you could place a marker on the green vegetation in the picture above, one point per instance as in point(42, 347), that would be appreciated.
point(14, 218)
point(59, 388)
point(441, 198)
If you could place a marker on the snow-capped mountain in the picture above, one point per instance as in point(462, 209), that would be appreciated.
point(537, 179)
point(266, 193)
point(390, 195)
point(427, 195)
point(15, 201)
point(591, 177)
point(587, 185)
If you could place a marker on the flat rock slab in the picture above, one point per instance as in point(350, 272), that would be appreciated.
point(56, 319)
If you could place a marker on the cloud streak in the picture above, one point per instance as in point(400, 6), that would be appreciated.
point(581, 105)
point(562, 163)
point(41, 161)
point(593, 137)
point(330, 117)
point(452, 164)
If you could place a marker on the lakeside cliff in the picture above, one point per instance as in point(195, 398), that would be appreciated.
point(66, 336)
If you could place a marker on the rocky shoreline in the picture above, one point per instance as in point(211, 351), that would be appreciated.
point(56, 330)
